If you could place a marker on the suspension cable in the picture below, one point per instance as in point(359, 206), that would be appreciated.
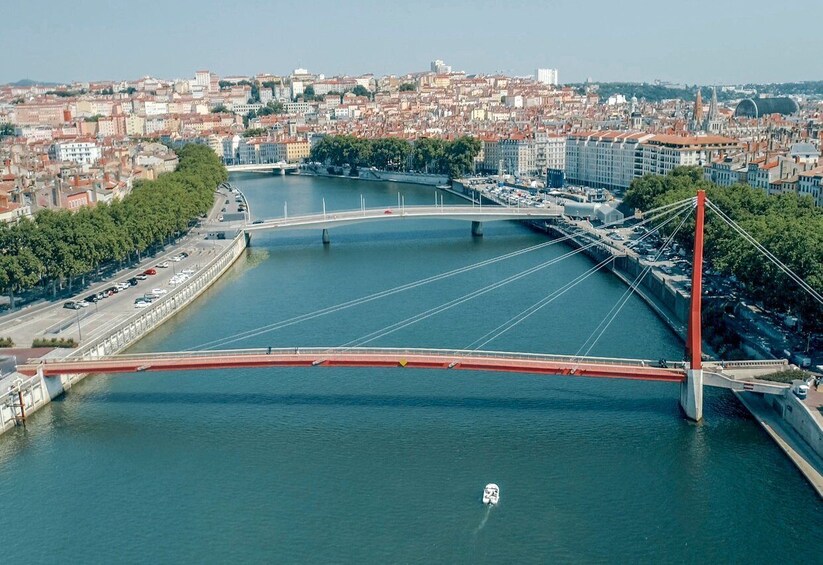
point(601, 328)
point(528, 312)
point(534, 308)
point(460, 300)
point(651, 216)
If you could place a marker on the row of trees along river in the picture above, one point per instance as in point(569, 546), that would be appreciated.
point(788, 225)
point(58, 247)
point(430, 155)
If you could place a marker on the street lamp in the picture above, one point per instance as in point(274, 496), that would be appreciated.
point(79, 332)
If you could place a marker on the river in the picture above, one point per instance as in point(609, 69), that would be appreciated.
point(388, 465)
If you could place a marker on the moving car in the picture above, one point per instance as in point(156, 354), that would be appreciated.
point(150, 272)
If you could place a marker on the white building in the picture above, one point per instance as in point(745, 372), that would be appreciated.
point(84, 152)
point(440, 67)
point(518, 156)
point(612, 159)
point(549, 152)
point(546, 76)
point(203, 79)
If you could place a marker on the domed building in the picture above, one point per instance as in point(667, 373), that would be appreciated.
point(759, 107)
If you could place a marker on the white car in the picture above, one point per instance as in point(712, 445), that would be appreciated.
point(141, 304)
point(159, 291)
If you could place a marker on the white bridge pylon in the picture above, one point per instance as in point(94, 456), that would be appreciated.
point(388, 214)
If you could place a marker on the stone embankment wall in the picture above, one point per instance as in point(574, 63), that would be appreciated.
point(799, 417)
point(38, 391)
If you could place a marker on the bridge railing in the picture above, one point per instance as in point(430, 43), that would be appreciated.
point(380, 212)
point(454, 354)
point(753, 363)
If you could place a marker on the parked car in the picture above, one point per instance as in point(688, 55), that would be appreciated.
point(72, 305)
point(183, 254)
point(112, 290)
point(133, 281)
point(92, 298)
point(163, 265)
point(159, 291)
point(141, 277)
point(141, 304)
point(150, 272)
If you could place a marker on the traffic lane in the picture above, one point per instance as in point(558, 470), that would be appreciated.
point(116, 307)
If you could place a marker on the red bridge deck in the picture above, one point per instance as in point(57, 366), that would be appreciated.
point(317, 357)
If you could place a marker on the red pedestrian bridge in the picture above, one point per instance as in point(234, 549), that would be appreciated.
point(467, 360)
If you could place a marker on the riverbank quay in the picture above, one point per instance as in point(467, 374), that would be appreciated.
point(117, 324)
point(782, 418)
point(373, 174)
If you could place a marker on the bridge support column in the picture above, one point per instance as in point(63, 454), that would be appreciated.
point(282, 171)
point(326, 239)
point(691, 394)
point(477, 229)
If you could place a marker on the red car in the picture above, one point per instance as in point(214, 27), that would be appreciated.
point(150, 272)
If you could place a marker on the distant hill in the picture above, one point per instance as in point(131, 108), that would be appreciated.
point(28, 82)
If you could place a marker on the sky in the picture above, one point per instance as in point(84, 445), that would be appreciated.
point(692, 42)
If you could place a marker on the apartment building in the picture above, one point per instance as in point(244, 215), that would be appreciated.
point(607, 159)
point(84, 152)
point(811, 183)
point(612, 159)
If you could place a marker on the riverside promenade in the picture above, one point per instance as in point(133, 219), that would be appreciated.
point(112, 324)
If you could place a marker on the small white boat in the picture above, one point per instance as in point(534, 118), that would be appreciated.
point(491, 494)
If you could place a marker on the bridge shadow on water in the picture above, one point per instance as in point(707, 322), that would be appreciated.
point(663, 405)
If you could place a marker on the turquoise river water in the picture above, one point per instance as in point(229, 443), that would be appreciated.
point(387, 465)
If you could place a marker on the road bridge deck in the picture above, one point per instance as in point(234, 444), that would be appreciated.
point(465, 213)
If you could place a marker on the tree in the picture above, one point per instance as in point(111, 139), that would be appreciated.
point(224, 84)
point(460, 155)
point(6, 129)
point(254, 132)
point(389, 153)
point(788, 225)
point(308, 93)
point(361, 90)
point(428, 154)
point(220, 109)
point(408, 87)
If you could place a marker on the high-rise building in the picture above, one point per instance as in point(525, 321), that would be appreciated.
point(547, 76)
point(440, 67)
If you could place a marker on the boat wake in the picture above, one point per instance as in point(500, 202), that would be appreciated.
point(484, 520)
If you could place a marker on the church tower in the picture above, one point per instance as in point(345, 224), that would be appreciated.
point(714, 122)
point(697, 114)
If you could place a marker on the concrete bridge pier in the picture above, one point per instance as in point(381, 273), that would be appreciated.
point(326, 239)
point(477, 229)
point(691, 394)
point(281, 172)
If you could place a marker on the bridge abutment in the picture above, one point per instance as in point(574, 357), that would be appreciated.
point(326, 239)
point(691, 394)
point(477, 229)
